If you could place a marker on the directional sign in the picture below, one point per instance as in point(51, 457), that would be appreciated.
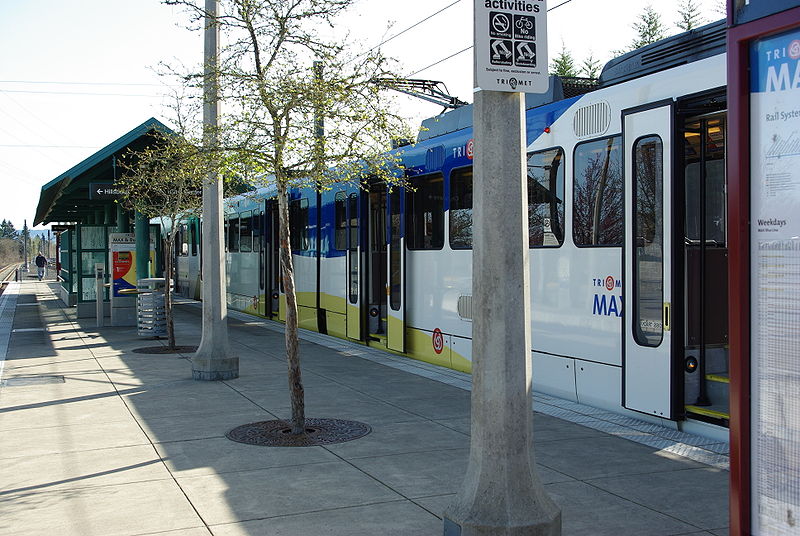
point(104, 190)
point(511, 45)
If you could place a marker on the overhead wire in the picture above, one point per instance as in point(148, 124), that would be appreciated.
point(414, 25)
point(80, 93)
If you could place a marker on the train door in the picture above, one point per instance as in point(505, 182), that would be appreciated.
point(270, 266)
point(396, 271)
point(705, 248)
point(648, 366)
point(376, 265)
point(353, 309)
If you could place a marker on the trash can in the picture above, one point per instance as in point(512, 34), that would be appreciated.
point(151, 309)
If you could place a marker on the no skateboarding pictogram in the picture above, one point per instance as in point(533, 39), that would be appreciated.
point(525, 54)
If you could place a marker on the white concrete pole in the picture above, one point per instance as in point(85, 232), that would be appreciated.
point(502, 493)
point(213, 359)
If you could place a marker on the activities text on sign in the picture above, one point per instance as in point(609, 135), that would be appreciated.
point(511, 45)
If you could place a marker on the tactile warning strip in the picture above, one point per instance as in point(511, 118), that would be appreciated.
point(8, 305)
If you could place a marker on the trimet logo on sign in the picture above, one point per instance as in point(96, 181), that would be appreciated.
point(507, 33)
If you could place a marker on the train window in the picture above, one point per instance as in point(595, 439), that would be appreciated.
point(245, 232)
point(233, 235)
point(704, 145)
point(352, 208)
point(193, 232)
point(340, 221)
point(461, 209)
point(183, 235)
point(648, 225)
point(425, 213)
point(597, 210)
point(546, 198)
point(298, 224)
point(255, 225)
point(395, 251)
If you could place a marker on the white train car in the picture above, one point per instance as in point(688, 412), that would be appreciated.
point(627, 214)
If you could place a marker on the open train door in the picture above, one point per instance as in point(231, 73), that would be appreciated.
point(648, 381)
point(353, 307)
point(396, 270)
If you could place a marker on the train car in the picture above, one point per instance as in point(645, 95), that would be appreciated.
point(627, 230)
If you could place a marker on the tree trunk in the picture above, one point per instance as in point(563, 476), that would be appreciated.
point(292, 347)
point(168, 262)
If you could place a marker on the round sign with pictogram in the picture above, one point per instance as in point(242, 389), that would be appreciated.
point(470, 149)
point(794, 49)
point(438, 341)
point(609, 283)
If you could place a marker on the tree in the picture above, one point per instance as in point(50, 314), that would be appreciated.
point(689, 13)
point(163, 179)
point(9, 251)
point(279, 100)
point(591, 67)
point(649, 28)
point(7, 230)
point(564, 64)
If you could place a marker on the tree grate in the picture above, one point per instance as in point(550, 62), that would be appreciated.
point(318, 432)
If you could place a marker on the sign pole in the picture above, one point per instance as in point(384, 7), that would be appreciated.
point(502, 492)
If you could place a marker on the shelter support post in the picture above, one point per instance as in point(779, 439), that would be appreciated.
point(123, 220)
point(142, 231)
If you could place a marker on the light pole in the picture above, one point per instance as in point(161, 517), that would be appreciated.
point(213, 359)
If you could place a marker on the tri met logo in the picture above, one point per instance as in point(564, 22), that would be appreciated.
point(606, 303)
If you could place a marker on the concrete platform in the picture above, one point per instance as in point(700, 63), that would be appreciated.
point(98, 440)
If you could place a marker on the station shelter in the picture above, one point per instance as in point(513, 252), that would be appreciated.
point(82, 205)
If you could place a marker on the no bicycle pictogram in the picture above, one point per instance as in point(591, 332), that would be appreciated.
point(524, 27)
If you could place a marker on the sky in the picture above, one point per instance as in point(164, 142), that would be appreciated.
point(75, 76)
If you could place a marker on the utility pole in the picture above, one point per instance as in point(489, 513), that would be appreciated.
point(213, 359)
point(25, 245)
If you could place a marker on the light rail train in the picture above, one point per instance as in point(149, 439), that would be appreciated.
point(627, 233)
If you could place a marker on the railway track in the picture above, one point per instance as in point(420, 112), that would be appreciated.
point(8, 274)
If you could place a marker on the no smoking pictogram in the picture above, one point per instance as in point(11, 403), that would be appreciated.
point(500, 25)
point(438, 341)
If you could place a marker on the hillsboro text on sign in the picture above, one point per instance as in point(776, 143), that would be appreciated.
point(103, 190)
point(511, 45)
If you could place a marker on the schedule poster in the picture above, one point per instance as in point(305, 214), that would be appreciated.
point(123, 262)
point(775, 284)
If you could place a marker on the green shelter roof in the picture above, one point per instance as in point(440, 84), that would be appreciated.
point(66, 198)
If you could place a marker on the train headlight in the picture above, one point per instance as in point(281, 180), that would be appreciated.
point(690, 363)
point(274, 295)
point(374, 312)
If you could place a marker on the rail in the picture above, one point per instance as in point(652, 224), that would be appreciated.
point(8, 274)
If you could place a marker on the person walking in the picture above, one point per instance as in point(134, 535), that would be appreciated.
point(41, 265)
